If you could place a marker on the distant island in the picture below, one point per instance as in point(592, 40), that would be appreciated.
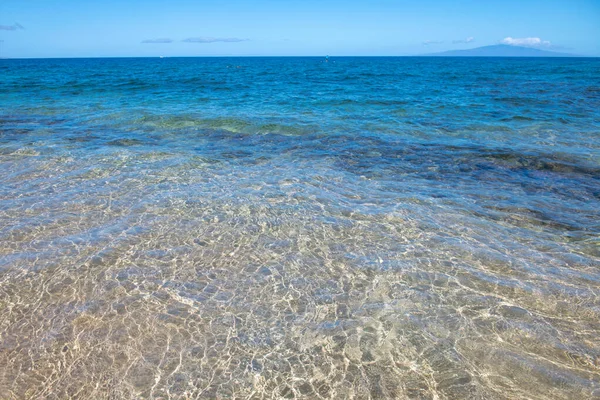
point(500, 50)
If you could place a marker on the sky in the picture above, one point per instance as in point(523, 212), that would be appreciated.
point(111, 28)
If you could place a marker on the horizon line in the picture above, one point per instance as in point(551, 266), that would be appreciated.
point(425, 55)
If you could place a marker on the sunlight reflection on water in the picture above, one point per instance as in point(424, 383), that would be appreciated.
point(222, 257)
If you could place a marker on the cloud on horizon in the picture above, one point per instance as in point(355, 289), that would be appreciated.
point(467, 40)
point(430, 42)
point(159, 40)
point(526, 42)
point(212, 40)
point(14, 27)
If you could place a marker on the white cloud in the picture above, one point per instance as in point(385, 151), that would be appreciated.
point(14, 27)
point(467, 40)
point(526, 42)
point(160, 40)
point(428, 42)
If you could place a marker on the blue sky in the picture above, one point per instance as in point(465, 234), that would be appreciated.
point(79, 28)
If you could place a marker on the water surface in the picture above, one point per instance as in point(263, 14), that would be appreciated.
point(420, 228)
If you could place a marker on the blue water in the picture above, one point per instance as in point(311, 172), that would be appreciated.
point(294, 228)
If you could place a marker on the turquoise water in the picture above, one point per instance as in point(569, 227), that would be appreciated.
point(421, 228)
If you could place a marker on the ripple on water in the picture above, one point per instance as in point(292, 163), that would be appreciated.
point(317, 243)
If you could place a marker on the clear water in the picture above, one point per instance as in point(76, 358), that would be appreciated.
point(289, 228)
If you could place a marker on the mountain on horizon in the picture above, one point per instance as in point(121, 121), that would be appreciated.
point(501, 50)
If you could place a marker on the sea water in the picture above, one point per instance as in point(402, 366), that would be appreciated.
point(261, 228)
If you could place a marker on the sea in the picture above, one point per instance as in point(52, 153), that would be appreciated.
point(308, 228)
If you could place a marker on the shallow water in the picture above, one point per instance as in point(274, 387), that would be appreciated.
point(288, 228)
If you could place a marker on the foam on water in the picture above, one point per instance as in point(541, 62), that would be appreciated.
point(369, 228)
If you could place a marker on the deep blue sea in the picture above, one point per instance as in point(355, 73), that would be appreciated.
point(264, 228)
